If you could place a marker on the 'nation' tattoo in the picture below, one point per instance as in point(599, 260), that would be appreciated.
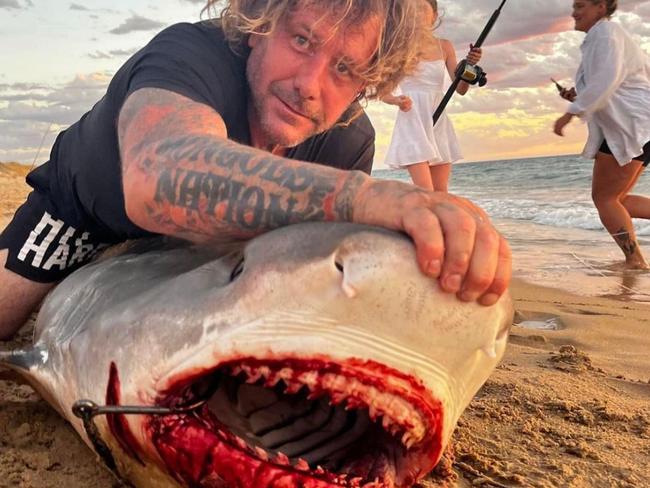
point(250, 190)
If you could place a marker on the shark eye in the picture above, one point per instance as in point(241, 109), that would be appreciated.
point(237, 270)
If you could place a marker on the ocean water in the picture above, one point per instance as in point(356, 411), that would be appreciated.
point(543, 207)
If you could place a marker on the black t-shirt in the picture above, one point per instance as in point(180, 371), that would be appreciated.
point(83, 176)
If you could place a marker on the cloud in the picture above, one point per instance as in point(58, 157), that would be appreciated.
point(464, 20)
point(5, 87)
point(76, 6)
point(28, 111)
point(100, 55)
point(136, 23)
point(115, 53)
point(10, 4)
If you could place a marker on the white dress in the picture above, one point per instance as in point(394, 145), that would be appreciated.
point(613, 85)
point(414, 138)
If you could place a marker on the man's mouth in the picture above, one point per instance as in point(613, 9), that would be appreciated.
point(305, 423)
point(294, 110)
point(297, 110)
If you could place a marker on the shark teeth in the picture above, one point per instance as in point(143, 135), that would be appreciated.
point(262, 454)
point(241, 443)
point(396, 414)
point(282, 459)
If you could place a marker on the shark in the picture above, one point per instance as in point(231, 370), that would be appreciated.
point(317, 355)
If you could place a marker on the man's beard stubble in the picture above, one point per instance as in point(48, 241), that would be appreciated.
point(291, 98)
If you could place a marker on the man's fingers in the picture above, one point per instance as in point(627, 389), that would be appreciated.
point(455, 242)
point(502, 275)
point(424, 228)
point(459, 229)
point(483, 266)
point(477, 259)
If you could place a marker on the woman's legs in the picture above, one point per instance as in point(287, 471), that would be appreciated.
point(609, 188)
point(636, 205)
point(420, 175)
point(440, 176)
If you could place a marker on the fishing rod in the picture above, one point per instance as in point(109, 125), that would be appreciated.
point(472, 74)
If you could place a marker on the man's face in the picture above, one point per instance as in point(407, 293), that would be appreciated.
point(302, 76)
point(586, 14)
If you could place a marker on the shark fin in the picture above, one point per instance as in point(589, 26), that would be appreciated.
point(23, 359)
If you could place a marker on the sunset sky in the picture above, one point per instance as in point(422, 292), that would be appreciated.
point(57, 57)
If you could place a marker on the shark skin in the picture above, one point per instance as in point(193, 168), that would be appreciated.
point(316, 355)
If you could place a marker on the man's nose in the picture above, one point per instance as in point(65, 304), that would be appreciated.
point(311, 76)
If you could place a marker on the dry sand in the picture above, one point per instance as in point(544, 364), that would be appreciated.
point(566, 408)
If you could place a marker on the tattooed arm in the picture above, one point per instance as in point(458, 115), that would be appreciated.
point(183, 177)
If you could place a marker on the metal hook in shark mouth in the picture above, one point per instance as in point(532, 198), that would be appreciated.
point(299, 422)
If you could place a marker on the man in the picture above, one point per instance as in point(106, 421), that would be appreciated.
point(204, 134)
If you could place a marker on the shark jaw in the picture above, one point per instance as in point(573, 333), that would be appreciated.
point(289, 422)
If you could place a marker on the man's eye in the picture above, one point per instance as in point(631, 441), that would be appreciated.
point(343, 69)
point(301, 41)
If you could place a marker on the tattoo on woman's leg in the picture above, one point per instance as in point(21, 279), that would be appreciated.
point(626, 242)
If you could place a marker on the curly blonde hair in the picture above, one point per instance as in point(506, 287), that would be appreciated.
point(396, 54)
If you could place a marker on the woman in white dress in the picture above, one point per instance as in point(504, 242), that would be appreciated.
point(427, 151)
point(612, 94)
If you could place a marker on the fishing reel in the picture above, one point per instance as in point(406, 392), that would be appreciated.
point(471, 73)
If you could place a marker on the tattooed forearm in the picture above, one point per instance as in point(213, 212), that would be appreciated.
point(234, 157)
point(250, 207)
point(253, 190)
point(186, 178)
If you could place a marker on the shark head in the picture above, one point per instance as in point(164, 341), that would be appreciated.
point(319, 356)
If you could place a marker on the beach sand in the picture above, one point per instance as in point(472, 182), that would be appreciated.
point(566, 408)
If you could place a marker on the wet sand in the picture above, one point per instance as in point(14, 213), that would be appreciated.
point(566, 408)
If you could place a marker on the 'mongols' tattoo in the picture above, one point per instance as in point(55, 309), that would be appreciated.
point(250, 190)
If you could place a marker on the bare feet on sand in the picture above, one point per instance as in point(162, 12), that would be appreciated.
point(639, 264)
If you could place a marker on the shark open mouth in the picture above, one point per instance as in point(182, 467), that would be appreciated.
point(296, 422)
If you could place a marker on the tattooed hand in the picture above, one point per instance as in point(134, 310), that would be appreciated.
point(454, 238)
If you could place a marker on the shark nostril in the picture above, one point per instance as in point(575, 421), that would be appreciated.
point(348, 289)
point(237, 270)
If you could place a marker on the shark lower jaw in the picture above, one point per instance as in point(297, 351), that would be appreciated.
point(295, 422)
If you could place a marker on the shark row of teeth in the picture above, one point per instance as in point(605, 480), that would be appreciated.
point(281, 459)
point(397, 415)
point(300, 464)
